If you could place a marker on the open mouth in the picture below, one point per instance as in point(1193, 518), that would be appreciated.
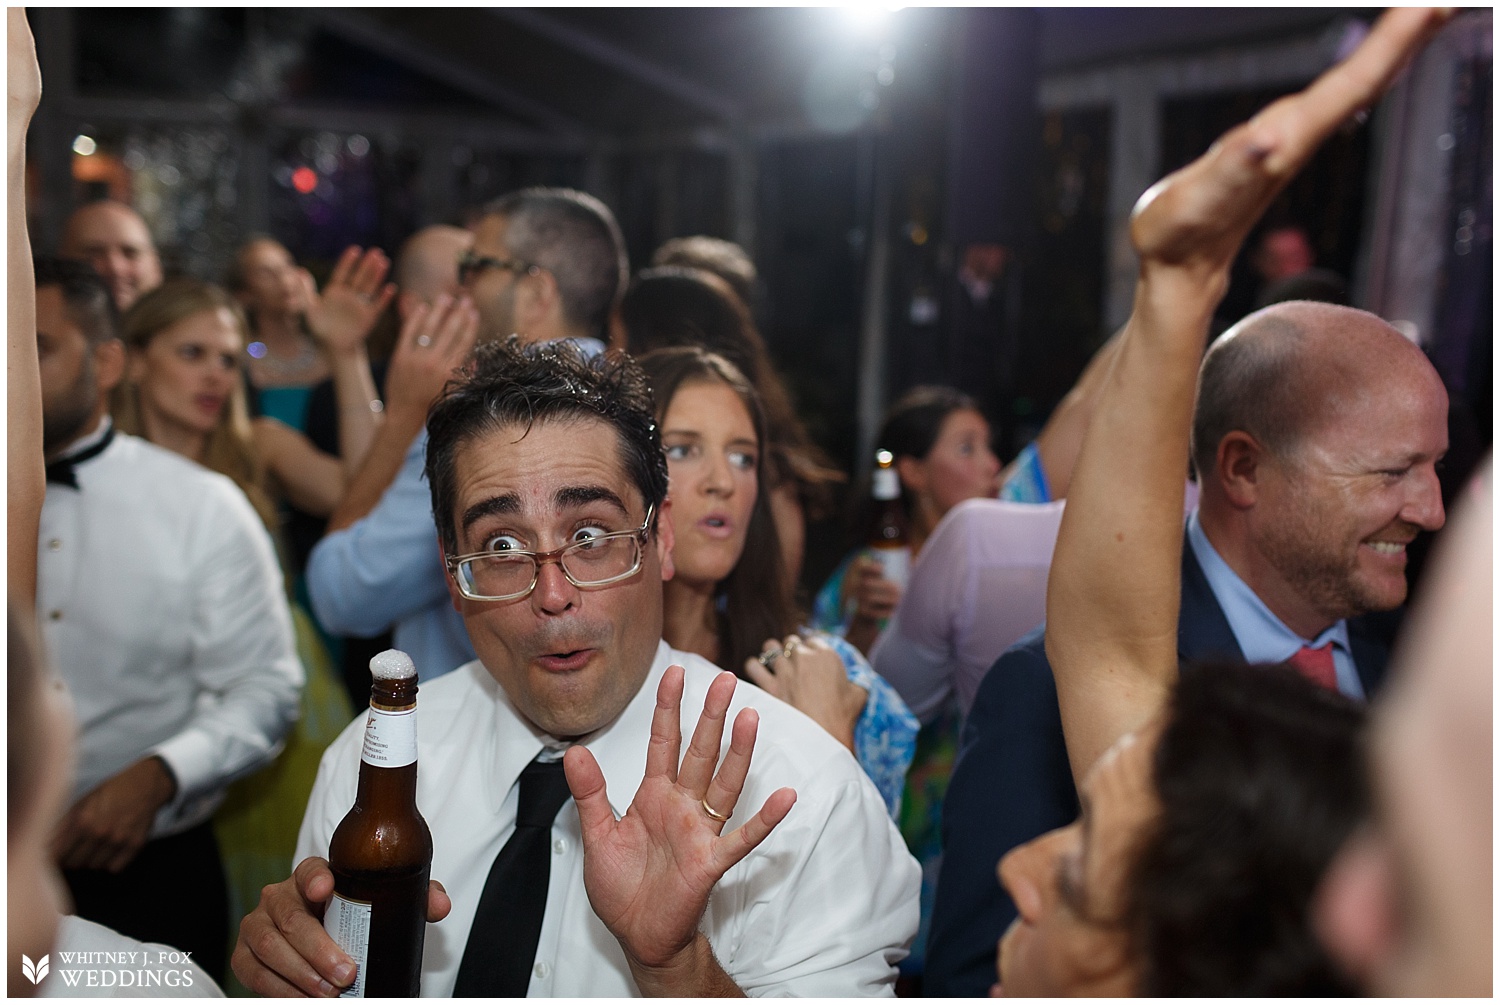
point(560, 662)
point(1389, 549)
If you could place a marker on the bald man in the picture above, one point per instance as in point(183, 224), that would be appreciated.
point(114, 239)
point(1316, 436)
point(427, 266)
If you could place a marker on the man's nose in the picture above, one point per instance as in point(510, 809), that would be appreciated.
point(1425, 507)
point(553, 593)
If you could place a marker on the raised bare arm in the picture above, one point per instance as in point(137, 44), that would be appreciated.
point(1114, 589)
point(26, 482)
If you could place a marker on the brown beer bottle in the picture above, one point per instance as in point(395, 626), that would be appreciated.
point(889, 539)
point(381, 852)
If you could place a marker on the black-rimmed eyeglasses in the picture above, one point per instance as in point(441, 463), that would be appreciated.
point(471, 264)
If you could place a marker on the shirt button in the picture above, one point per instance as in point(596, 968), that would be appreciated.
point(54, 545)
point(541, 970)
point(559, 846)
point(55, 615)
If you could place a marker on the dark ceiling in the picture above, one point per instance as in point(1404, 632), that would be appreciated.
point(610, 73)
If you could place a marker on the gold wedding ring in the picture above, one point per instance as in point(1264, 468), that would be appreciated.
point(721, 817)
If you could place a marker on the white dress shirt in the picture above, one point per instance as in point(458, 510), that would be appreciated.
point(826, 906)
point(161, 606)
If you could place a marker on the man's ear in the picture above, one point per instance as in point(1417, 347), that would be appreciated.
point(1238, 466)
point(538, 302)
point(665, 539)
point(135, 365)
point(454, 597)
point(109, 364)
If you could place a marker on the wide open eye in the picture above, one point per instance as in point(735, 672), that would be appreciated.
point(503, 543)
point(586, 534)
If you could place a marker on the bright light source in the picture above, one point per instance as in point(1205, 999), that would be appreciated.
point(304, 180)
point(84, 146)
point(869, 17)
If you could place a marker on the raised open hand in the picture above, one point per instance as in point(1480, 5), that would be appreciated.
point(649, 874)
point(342, 316)
point(435, 340)
point(1201, 214)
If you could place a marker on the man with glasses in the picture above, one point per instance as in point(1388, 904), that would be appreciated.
point(549, 487)
point(546, 265)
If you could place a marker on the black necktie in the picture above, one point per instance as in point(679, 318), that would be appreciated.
point(61, 470)
point(508, 924)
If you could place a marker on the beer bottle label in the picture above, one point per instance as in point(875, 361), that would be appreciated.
point(347, 923)
point(895, 564)
point(391, 738)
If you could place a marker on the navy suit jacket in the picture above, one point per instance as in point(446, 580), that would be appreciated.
point(1012, 782)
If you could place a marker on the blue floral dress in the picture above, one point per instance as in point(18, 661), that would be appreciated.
point(885, 738)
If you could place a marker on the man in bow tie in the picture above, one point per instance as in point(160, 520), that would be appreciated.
point(161, 605)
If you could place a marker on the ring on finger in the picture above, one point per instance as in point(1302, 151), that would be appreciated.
point(424, 341)
point(770, 656)
point(792, 645)
point(721, 817)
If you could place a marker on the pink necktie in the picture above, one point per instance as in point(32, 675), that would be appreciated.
point(1317, 665)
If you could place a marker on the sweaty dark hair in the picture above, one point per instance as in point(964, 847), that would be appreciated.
point(676, 306)
point(575, 237)
point(1260, 783)
point(86, 295)
point(510, 384)
point(756, 604)
point(913, 422)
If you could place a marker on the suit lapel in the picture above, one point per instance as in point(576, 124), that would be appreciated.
point(1203, 632)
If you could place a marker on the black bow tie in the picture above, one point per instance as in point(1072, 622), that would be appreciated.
point(62, 470)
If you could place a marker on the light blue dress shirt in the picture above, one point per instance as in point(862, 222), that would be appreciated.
point(386, 571)
point(1262, 636)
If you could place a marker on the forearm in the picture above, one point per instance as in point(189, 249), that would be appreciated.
point(381, 465)
point(1060, 440)
point(694, 973)
point(26, 480)
point(1113, 592)
point(359, 416)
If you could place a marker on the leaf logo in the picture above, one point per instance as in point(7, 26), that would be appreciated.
point(34, 971)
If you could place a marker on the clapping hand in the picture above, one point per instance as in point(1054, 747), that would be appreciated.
point(649, 874)
point(342, 316)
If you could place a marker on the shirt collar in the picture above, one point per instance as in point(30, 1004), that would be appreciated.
point(78, 446)
point(1263, 637)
